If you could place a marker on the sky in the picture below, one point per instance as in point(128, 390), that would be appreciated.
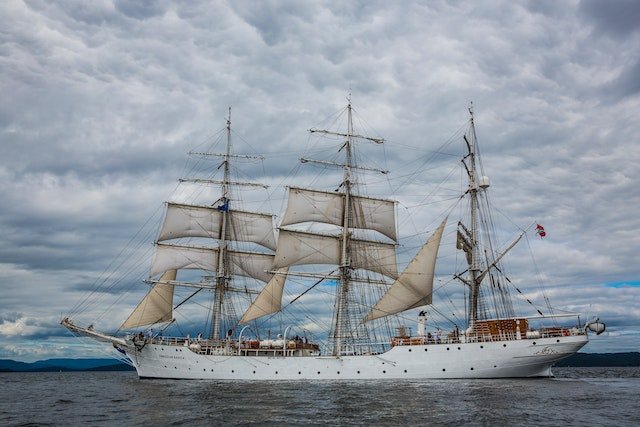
point(103, 99)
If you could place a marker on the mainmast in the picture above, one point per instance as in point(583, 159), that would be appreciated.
point(347, 210)
point(342, 323)
point(222, 278)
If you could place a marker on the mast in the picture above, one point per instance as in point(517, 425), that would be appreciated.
point(474, 264)
point(348, 211)
point(342, 323)
point(220, 261)
point(222, 278)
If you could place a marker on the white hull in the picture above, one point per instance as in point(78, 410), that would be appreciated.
point(496, 359)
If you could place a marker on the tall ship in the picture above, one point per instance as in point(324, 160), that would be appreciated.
point(338, 248)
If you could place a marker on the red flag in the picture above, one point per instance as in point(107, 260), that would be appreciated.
point(540, 231)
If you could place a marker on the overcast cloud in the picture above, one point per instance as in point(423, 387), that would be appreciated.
point(102, 99)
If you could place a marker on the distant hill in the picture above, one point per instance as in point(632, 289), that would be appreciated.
point(601, 359)
point(56, 365)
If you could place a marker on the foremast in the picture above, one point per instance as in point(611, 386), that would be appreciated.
point(228, 234)
point(219, 263)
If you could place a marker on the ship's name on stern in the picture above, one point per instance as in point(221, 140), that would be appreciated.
point(546, 350)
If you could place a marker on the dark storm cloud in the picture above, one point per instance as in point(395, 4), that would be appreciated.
point(616, 19)
point(141, 9)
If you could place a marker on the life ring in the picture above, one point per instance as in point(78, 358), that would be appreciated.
point(566, 332)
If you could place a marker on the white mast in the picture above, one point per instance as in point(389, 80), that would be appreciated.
point(474, 265)
point(297, 247)
point(342, 323)
point(222, 279)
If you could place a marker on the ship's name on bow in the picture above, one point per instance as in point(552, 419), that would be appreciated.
point(162, 356)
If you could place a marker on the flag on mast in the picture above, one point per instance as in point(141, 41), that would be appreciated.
point(540, 231)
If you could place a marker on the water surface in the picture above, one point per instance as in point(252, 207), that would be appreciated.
point(577, 396)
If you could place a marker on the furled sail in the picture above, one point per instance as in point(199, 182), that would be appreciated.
point(270, 298)
point(205, 221)
point(414, 287)
point(328, 207)
point(242, 263)
point(297, 248)
point(156, 306)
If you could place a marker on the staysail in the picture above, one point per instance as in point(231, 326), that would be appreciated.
point(156, 306)
point(414, 287)
point(270, 298)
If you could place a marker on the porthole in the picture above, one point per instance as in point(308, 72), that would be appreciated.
point(358, 371)
point(494, 366)
point(425, 349)
point(405, 371)
point(447, 348)
point(384, 372)
point(472, 369)
point(409, 350)
point(299, 373)
point(534, 343)
point(318, 372)
point(205, 370)
point(458, 348)
point(254, 372)
point(557, 340)
point(443, 369)
point(338, 372)
point(276, 372)
point(232, 371)
point(504, 345)
point(481, 346)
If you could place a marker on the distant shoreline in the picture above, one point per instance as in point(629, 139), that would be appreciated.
point(64, 365)
point(586, 360)
point(629, 359)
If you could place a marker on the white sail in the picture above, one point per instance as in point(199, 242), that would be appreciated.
point(251, 264)
point(374, 214)
point(306, 205)
point(297, 248)
point(174, 257)
point(270, 298)
point(414, 287)
point(204, 221)
point(156, 306)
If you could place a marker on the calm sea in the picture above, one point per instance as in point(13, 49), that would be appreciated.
point(577, 396)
